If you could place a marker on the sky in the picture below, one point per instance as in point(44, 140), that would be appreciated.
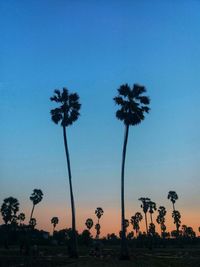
point(92, 47)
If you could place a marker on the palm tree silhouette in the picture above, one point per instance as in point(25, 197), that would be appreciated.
point(172, 195)
point(145, 207)
point(32, 223)
point(99, 212)
point(21, 217)
point(36, 197)
point(89, 223)
point(133, 104)
point(135, 220)
point(152, 208)
point(67, 113)
point(54, 221)
point(161, 219)
point(9, 209)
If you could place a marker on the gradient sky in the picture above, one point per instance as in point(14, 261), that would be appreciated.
point(92, 47)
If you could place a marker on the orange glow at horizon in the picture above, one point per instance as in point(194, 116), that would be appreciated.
point(110, 221)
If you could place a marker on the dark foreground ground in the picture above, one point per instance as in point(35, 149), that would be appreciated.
point(55, 256)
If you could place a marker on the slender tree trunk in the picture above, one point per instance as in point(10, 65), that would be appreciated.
point(74, 252)
point(151, 218)
point(32, 212)
point(146, 223)
point(124, 247)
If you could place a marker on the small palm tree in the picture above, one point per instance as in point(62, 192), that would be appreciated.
point(145, 207)
point(32, 223)
point(99, 212)
point(133, 105)
point(21, 217)
point(67, 113)
point(135, 221)
point(36, 197)
point(152, 208)
point(9, 209)
point(161, 219)
point(89, 223)
point(54, 221)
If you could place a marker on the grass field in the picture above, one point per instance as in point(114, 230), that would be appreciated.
point(55, 256)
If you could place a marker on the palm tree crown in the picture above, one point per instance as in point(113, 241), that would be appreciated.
point(172, 195)
point(89, 223)
point(36, 196)
point(54, 221)
point(99, 212)
point(68, 112)
point(9, 209)
point(133, 104)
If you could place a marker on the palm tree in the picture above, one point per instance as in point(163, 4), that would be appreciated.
point(152, 208)
point(54, 221)
point(21, 217)
point(172, 195)
point(67, 113)
point(161, 219)
point(32, 223)
point(89, 223)
point(133, 104)
point(35, 197)
point(135, 220)
point(145, 207)
point(9, 209)
point(99, 212)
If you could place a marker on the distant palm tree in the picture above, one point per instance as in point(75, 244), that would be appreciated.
point(32, 223)
point(161, 219)
point(172, 195)
point(135, 220)
point(145, 207)
point(133, 105)
point(21, 217)
point(99, 212)
point(54, 221)
point(152, 208)
point(67, 113)
point(89, 223)
point(36, 197)
point(177, 220)
point(9, 209)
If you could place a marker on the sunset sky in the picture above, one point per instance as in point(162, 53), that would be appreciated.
point(92, 47)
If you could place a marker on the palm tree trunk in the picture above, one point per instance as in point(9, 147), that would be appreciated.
point(151, 218)
point(74, 253)
point(32, 212)
point(124, 247)
point(146, 223)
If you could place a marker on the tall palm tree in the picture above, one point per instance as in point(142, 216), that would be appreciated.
point(36, 197)
point(54, 221)
point(145, 207)
point(9, 209)
point(172, 195)
point(67, 113)
point(152, 208)
point(133, 105)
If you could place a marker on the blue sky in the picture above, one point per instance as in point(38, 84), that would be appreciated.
point(92, 47)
